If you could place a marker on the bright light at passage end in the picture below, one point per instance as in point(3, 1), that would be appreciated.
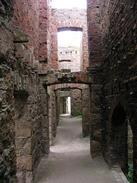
point(69, 4)
point(69, 38)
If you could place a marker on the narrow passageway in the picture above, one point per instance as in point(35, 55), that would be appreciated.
point(69, 160)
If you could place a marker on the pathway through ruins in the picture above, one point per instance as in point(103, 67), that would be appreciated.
point(70, 161)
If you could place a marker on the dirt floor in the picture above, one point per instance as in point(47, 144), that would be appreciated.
point(70, 160)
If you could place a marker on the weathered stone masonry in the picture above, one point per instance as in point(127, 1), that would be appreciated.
point(115, 77)
point(119, 85)
point(95, 59)
point(67, 20)
point(30, 81)
point(7, 130)
point(21, 107)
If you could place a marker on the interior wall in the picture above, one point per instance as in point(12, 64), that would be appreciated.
point(67, 19)
point(20, 95)
point(95, 72)
point(76, 102)
point(114, 23)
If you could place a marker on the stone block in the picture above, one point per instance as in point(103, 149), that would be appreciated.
point(96, 149)
point(20, 36)
point(23, 132)
point(24, 163)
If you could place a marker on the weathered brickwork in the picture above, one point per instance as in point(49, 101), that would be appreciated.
point(94, 32)
point(26, 17)
point(31, 85)
point(119, 87)
point(43, 33)
point(68, 19)
point(76, 102)
point(118, 90)
point(52, 111)
point(7, 124)
point(95, 59)
point(23, 139)
point(70, 59)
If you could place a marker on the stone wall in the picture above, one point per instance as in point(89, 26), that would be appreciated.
point(86, 111)
point(68, 19)
point(7, 124)
point(117, 23)
point(52, 114)
point(28, 114)
point(26, 17)
point(95, 72)
point(69, 58)
point(120, 65)
point(76, 102)
point(44, 17)
point(23, 122)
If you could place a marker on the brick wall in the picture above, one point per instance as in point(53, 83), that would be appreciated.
point(7, 124)
point(95, 60)
point(68, 19)
point(118, 33)
point(69, 58)
point(94, 32)
point(26, 18)
point(23, 112)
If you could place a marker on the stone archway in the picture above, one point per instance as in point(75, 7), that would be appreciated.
point(118, 139)
point(54, 105)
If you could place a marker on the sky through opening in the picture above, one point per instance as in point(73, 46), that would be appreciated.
point(69, 4)
point(69, 38)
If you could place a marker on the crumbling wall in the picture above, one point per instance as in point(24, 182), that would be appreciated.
point(86, 111)
point(115, 25)
point(22, 116)
point(7, 124)
point(76, 102)
point(119, 65)
point(26, 18)
point(52, 114)
point(68, 19)
point(95, 73)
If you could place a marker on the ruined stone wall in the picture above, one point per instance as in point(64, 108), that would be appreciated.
point(94, 32)
point(29, 113)
point(69, 58)
point(76, 102)
point(52, 111)
point(44, 35)
point(118, 24)
point(86, 111)
point(95, 60)
point(22, 113)
point(64, 18)
point(7, 124)
point(28, 117)
point(26, 18)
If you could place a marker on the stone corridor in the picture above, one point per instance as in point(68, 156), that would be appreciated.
point(60, 57)
point(69, 160)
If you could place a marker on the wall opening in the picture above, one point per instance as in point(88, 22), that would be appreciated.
point(63, 4)
point(70, 50)
point(68, 109)
point(122, 141)
point(119, 138)
point(65, 106)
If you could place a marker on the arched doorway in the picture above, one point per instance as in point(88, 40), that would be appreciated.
point(122, 141)
point(119, 137)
